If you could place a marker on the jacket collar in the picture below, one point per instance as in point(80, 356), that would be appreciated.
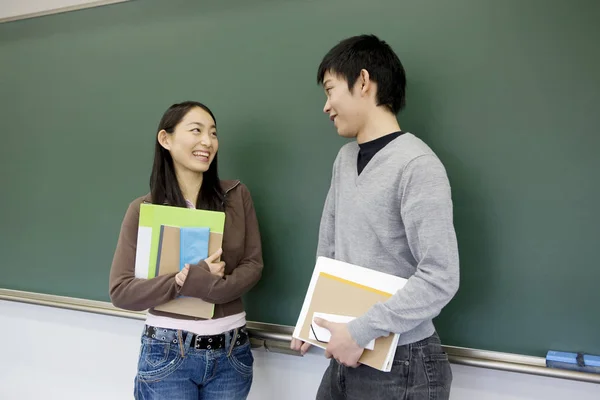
point(227, 187)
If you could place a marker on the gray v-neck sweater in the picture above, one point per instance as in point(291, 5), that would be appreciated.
point(396, 217)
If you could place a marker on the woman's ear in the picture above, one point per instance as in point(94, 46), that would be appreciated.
point(164, 139)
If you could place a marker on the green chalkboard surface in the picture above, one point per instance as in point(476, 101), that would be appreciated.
point(506, 92)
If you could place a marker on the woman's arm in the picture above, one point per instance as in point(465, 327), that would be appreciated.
point(127, 291)
point(201, 283)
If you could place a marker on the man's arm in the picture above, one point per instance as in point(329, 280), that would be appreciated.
point(426, 211)
point(326, 245)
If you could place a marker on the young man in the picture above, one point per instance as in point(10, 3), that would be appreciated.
point(389, 208)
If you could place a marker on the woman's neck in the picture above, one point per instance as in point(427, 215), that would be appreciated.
point(190, 184)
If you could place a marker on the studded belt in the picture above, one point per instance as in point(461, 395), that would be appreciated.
point(211, 342)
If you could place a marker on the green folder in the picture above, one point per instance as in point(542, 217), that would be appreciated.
point(152, 216)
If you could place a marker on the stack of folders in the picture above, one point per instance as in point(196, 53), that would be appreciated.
point(341, 292)
point(170, 237)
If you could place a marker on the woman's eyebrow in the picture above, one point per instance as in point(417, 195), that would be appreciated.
point(200, 124)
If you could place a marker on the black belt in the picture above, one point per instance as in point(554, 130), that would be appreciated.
point(210, 342)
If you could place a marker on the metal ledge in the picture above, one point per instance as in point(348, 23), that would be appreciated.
point(276, 338)
point(61, 10)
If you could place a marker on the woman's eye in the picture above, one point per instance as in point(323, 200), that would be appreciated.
point(196, 130)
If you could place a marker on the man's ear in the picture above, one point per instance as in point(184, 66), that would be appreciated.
point(364, 81)
point(164, 139)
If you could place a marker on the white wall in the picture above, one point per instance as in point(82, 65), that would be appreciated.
point(16, 8)
point(51, 353)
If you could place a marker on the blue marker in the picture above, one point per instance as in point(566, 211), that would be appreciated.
point(573, 361)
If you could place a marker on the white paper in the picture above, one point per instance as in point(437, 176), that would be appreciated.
point(324, 335)
point(142, 254)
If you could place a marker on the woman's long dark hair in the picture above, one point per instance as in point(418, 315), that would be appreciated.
point(164, 187)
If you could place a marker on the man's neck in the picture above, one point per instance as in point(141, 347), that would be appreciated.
point(381, 122)
point(190, 184)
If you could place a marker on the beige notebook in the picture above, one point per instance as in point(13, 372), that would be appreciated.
point(168, 263)
point(348, 291)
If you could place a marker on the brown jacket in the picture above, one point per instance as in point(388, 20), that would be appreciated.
point(242, 254)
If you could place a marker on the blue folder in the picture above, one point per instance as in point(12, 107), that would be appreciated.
point(193, 244)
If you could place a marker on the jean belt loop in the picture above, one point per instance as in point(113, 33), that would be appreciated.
point(233, 340)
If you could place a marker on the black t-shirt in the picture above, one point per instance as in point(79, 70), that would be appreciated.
point(369, 149)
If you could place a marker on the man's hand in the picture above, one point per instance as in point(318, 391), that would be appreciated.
point(216, 267)
point(299, 345)
point(341, 345)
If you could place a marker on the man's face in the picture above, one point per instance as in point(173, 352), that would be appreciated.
point(345, 108)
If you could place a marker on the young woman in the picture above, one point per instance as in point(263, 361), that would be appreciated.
point(186, 358)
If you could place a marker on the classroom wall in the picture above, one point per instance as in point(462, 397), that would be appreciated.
point(52, 353)
point(18, 8)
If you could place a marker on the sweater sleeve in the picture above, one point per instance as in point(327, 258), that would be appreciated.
point(426, 210)
point(326, 244)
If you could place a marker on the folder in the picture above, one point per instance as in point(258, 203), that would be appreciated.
point(153, 216)
point(171, 257)
point(348, 291)
point(159, 248)
point(168, 259)
point(193, 244)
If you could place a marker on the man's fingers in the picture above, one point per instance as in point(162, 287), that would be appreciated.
point(323, 323)
point(305, 348)
point(215, 256)
point(296, 344)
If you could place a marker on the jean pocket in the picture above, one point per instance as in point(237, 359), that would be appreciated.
point(242, 360)
point(158, 360)
point(437, 368)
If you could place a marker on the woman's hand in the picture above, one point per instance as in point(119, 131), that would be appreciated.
point(216, 267)
point(181, 275)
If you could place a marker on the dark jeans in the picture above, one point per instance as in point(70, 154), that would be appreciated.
point(421, 371)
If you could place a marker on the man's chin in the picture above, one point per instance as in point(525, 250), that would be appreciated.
point(347, 135)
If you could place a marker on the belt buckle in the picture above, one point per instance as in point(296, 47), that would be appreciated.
point(211, 343)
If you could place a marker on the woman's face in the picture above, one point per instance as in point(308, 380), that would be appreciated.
point(193, 143)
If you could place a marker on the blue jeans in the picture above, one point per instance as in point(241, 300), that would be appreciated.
point(174, 369)
point(420, 371)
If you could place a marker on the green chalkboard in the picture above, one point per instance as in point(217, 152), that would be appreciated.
point(506, 92)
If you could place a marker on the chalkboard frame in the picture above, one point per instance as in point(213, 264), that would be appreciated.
point(276, 338)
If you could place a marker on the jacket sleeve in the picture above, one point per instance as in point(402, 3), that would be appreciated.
point(126, 291)
point(201, 283)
